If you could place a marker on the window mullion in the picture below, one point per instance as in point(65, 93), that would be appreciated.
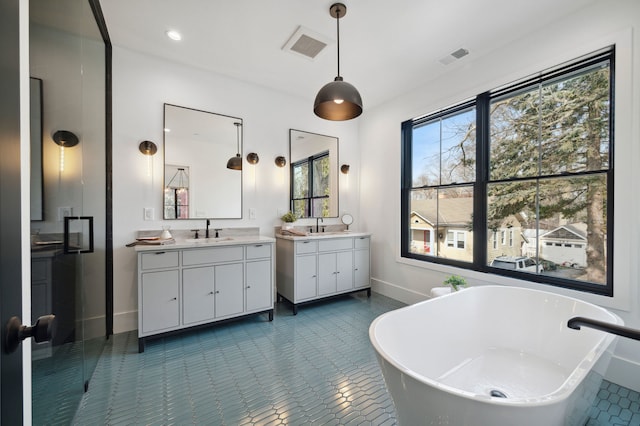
point(482, 176)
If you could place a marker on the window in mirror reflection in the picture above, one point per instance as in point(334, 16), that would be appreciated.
point(311, 186)
point(176, 192)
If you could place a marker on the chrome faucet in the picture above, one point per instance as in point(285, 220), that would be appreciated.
point(576, 322)
point(207, 230)
point(318, 220)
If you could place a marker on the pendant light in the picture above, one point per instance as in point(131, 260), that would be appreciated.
point(338, 100)
point(235, 163)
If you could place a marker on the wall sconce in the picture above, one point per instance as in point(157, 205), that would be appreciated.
point(281, 161)
point(345, 169)
point(148, 148)
point(252, 158)
point(64, 139)
point(235, 163)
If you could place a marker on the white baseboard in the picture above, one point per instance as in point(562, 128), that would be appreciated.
point(125, 321)
point(624, 372)
point(94, 327)
point(396, 292)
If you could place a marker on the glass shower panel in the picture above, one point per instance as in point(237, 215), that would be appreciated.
point(68, 241)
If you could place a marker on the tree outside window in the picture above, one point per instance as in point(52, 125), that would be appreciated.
point(530, 159)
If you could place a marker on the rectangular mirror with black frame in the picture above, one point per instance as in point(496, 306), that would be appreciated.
point(314, 174)
point(198, 182)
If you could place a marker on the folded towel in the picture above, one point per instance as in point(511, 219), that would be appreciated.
point(157, 242)
point(293, 232)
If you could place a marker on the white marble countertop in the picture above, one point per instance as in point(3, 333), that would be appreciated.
point(185, 243)
point(323, 235)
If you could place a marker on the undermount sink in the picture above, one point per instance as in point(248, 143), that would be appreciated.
point(322, 234)
point(208, 240)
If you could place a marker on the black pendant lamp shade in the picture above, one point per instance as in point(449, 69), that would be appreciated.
point(338, 100)
point(235, 163)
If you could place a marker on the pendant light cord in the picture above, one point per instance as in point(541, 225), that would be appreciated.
point(338, 27)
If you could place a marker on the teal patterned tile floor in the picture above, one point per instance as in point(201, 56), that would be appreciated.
point(317, 367)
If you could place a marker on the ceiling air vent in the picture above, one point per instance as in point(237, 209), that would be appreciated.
point(306, 43)
point(453, 56)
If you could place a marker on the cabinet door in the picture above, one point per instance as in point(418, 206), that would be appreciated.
point(344, 267)
point(258, 289)
point(306, 278)
point(160, 308)
point(229, 289)
point(327, 272)
point(361, 269)
point(197, 295)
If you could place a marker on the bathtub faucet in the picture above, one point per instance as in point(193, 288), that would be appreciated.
point(576, 322)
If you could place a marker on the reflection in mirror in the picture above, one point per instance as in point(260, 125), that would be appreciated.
point(36, 149)
point(197, 182)
point(176, 192)
point(314, 174)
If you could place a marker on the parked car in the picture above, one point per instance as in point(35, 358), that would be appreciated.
point(517, 263)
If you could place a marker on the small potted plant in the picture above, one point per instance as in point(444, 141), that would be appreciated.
point(455, 282)
point(287, 219)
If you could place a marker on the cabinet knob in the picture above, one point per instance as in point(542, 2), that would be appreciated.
point(217, 291)
point(210, 292)
point(248, 286)
point(175, 298)
point(313, 276)
point(356, 269)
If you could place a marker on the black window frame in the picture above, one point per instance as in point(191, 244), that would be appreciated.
point(482, 103)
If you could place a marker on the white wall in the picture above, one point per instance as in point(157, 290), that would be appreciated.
point(141, 85)
point(597, 26)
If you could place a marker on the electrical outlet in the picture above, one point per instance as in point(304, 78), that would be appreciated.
point(64, 212)
point(148, 213)
point(252, 213)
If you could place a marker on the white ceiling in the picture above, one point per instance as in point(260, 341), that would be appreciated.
point(387, 48)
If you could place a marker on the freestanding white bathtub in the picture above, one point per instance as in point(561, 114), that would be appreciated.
point(493, 355)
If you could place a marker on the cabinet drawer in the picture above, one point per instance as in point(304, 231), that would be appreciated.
point(258, 251)
point(362, 242)
point(212, 255)
point(337, 244)
point(159, 259)
point(303, 247)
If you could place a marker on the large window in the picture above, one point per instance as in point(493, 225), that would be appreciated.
point(518, 181)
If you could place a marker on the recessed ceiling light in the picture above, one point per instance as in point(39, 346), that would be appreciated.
point(174, 35)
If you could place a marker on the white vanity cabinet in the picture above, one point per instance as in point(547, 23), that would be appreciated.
point(186, 285)
point(317, 267)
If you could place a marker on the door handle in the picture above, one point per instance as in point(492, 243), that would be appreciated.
point(43, 331)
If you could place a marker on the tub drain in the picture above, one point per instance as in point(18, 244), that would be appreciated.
point(497, 393)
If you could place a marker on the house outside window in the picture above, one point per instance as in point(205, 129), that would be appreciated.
point(533, 159)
